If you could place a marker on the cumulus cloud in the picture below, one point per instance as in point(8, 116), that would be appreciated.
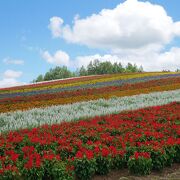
point(10, 79)
point(58, 58)
point(9, 83)
point(134, 31)
point(12, 74)
point(168, 60)
point(151, 61)
point(9, 60)
point(55, 26)
point(130, 25)
point(85, 60)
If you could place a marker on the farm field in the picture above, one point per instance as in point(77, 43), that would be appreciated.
point(83, 127)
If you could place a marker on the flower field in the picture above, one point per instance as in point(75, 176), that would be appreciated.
point(77, 128)
point(145, 83)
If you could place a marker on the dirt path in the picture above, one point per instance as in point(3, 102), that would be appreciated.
point(169, 173)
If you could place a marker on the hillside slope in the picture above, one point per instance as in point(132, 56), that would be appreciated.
point(90, 125)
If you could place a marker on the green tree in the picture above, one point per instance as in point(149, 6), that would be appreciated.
point(131, 68)
point(118, 68)
point(57, 73)
point(105, 68)
point(83, 71)
point(93, 68)
point(40, 78)
point(48, 76)
point(96, 64)
point(90, 68)
point(140, 69)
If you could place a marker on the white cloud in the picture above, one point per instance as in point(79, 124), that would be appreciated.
point(85, 60)
point(131, 25)
point(58, 58)
point(177, 28)
point(134, 31)
point(9, 83)
point(9, 60)
point(55, 26)
point(154, 61)
point(10, 79)
point(169, 60)
point(12, 74)
point(151, 61)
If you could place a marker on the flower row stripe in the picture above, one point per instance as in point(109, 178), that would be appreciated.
point(44, 100)
point(66, 80)
point(94, 81)
point(118, 82)
point(56, 114)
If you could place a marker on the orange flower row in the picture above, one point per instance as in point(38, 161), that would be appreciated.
point(126, 90)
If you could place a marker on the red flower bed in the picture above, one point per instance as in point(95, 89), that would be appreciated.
point(86, 147)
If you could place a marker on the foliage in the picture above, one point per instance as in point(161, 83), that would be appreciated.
point(93, 68)
point(140, 164)
point(56, 73)
point(84, 168)
point(158, 160)
point(177, 155)
point(103, 164)
point(106, 67)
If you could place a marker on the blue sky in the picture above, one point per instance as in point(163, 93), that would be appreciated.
point(28, 46)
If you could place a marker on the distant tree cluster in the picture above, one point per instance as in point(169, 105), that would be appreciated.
point(56, 73)
point(97, 67)
point(167, 70)
point(94, 68)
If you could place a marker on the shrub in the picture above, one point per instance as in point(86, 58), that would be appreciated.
point(33, 173)
point(177, 155)
point(140, 163)
point(170, 155)
point(84, 165)
point(59, 171)
point(103, 165)
point(158, 160)
point(119, 161)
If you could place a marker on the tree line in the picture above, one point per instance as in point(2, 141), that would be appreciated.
point(93, 68)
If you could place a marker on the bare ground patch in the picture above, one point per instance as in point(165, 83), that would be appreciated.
point(169, 173)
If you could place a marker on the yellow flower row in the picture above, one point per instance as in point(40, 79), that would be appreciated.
point(94, 81)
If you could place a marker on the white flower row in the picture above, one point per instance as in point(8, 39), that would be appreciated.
point(56, 114)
